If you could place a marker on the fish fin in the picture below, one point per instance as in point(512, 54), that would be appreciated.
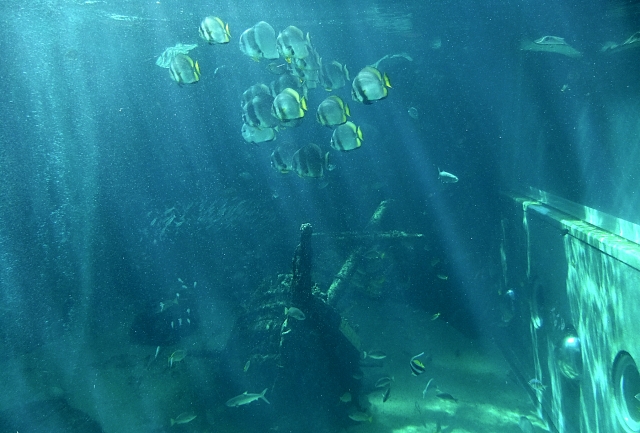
point(226, 29)
point(347, 110)
point(387, 82)
point(263, 397)
point(359, 133)
point(173, 421)
point(303, 103)
point(346, 72)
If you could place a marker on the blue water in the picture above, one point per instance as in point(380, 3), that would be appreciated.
point(96, 142)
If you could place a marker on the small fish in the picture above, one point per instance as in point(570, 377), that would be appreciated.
point(346, 137)
point(184, 70)
point(370, 85)
point(374, 354)
point(259, 42)
point(332, 111)
point(346, 397)
point(309, 162)
point(525, 425)
point(154, 221)
point(278, 163)
point(435, 316)
point(256, 134)
point(358, 375)
point(426, 388)
point(443, 277)
point(360, 416)
point(157, 351)
point(447, 396)
point(334, 75)
point(165, 305)
point(246, 366)
point(294, 313)
point(288, 105)
point(292, 44)
point(446, 177)
point(417, 367)
point(177, 356)
point(386, 394)
point(183, 418)
point(537, 385)
point(384, 382)
point(214, 31)
point(246, 398)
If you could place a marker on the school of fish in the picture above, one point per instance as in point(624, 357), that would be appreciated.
point(270, 108)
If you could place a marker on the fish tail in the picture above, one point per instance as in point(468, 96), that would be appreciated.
point(263, 397)
point(173, 421)
point(387, 81)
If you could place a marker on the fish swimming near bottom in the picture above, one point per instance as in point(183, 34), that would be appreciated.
point(447, 396)
point(246, 398)
point(446, 177)
point(176, 357)
point(183, 418)
point(360, 416)
point(294, 313)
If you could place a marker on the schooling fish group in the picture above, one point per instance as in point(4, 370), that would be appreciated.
point(269, 109)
